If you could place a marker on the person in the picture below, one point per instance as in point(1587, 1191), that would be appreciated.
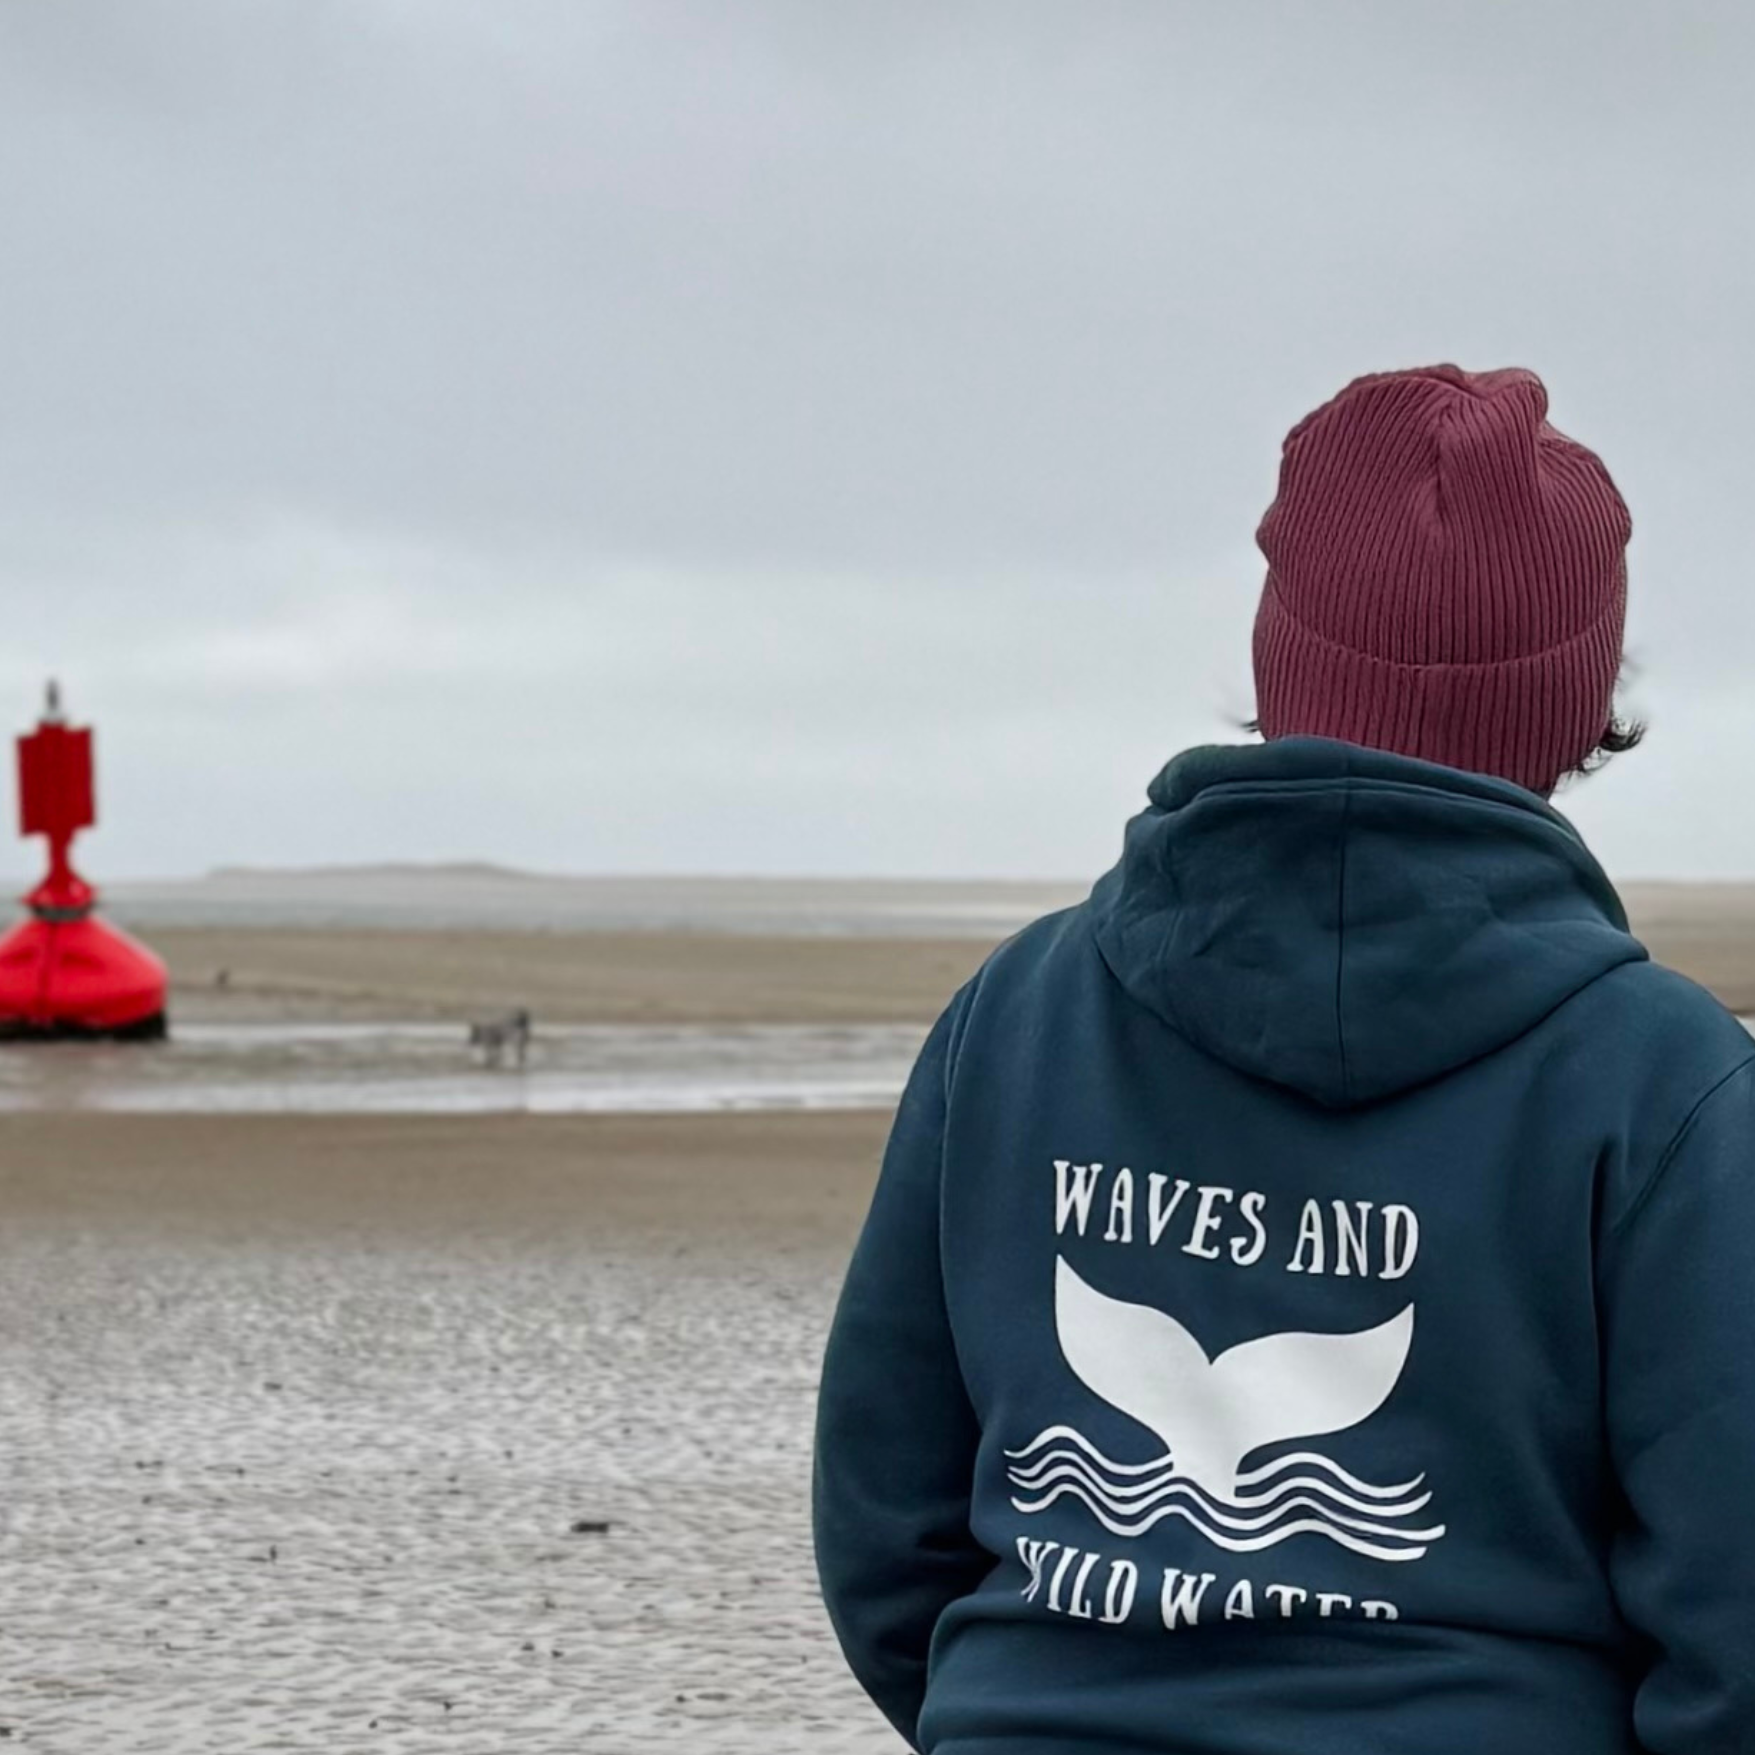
point(1308, 1299)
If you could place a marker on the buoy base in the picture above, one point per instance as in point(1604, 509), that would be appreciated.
point(78, 978)
point(150, 1029)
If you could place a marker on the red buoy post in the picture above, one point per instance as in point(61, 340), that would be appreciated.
point(65, 972)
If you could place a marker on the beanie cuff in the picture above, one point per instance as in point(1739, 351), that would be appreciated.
point(1529, 719)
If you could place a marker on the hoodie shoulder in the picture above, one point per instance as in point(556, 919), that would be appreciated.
point(1666, 1015)
point(1653, 1045)
point(1031, 949)
point(1031, 967)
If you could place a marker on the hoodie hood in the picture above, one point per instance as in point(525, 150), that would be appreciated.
point(1348, 922)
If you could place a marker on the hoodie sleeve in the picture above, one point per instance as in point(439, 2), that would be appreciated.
point(1678, 1313)
point(896, 1436)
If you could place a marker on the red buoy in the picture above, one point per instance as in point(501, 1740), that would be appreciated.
point(64, 972)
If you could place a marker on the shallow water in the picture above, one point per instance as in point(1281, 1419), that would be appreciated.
point(415, 1068)
point(429, 1069)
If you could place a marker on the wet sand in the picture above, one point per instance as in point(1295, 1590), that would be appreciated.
point(1705, 930)
point(576, 977)
point(299, 1415)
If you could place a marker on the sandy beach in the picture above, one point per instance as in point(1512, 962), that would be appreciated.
point(437, 1431)
point(1707, 931)
point(579, 977)
point(301, 1415)
point(713, 976)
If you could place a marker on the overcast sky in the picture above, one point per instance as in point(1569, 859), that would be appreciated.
point(809, 437)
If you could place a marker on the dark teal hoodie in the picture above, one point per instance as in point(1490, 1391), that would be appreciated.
point(1308, 1305)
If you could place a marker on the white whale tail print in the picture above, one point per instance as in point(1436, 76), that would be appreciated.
point(1210, 1414)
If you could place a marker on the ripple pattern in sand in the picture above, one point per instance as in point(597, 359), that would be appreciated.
point(320, 1496)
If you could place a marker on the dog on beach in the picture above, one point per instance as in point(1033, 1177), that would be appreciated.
point(493, 1036)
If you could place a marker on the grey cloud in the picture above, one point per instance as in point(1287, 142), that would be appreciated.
point(709, 413)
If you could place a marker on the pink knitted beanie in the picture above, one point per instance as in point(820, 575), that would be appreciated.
point(1446, 577)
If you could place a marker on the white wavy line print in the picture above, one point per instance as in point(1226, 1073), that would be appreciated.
point(1176, 1491)
point(1065, 1458)
point(1240, 1544)
point(1061, 1462)
point(1304, 1458)
point(1301, 1489)
point(1315, 1459)
point(1049, 1434)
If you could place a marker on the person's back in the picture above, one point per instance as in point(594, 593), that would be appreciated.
point(1305, 1302)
